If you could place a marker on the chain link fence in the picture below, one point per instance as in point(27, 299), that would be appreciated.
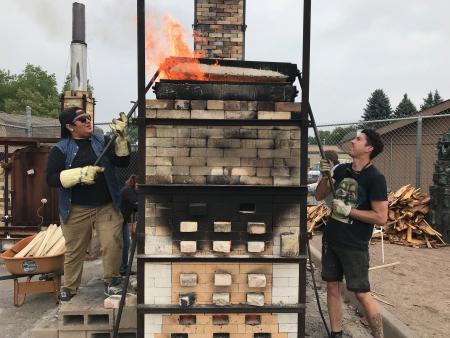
point(409, 154)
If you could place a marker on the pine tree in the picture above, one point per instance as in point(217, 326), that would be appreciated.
point(428, 101)
point(437, 98)
point(405, 107)
point(378, 108)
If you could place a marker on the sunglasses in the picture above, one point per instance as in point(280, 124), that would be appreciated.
point(82, 118)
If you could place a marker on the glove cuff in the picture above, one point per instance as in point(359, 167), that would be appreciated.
point(122, 147)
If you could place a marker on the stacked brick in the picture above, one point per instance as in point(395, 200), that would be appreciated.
point(222, 155)
point(219, 28)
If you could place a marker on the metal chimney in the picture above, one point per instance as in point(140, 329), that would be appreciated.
point(78, 49)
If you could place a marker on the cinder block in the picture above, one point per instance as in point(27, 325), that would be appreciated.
point(208, 114)
point(172, 114)
point(255, 247)
point(128, 320)
point(222, 226)
point(255, 298)
point(222, 279)
point(188, 246)
point(198, 104)
point(289, 244)
point(270, 115)
point(220, 319)
point(222, 246)
point(187, 319)
point(72, 334)
point(182, 104)
point(252, 319)
point(256, 280)
point(44, 332)
point(188, 279)
point(188, 226)
point(221, 298)
point(256, 228)
point(112, 302)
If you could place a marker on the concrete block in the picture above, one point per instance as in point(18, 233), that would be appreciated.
point(188, 279)
point(44, 332)
point(289, 244)
point(208, 114)
point(270, 115)
point(256, 280)
point(187, 319)
point(160, 104)
point(256, 228)
point(222, 226)
point(288, 106)
point(72, 334)
point(172, 114)
point(198, 104)
point(222, 279)
point(128, 320)
point(222, 246)
point(188, 226)
point(255, 298)
point(187, 299)
point(188, 246)
point(112, 302)
point(221, 298)
point(255, 247)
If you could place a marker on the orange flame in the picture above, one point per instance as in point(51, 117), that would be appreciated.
point(168, 41)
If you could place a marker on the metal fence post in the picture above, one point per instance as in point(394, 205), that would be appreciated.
point(418, 151)
point(29, 132)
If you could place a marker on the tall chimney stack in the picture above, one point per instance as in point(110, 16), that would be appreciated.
point(78, 49)
point(219, 28)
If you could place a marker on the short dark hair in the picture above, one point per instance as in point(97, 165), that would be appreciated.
point(373, 140)
point(332, 156)
point(66, 117)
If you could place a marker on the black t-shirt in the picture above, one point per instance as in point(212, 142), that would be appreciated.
point(356, 189)
point(93, 195)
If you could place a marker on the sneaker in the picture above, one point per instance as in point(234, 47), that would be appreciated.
point(113, 288)
point(132, 273)
point(65, 296)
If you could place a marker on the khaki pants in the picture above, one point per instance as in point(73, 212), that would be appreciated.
point(78, 232)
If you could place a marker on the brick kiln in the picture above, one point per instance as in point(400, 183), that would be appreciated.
point(218, 252)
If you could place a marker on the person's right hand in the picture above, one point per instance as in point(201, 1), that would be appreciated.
point(325, 167)
point(84, 175)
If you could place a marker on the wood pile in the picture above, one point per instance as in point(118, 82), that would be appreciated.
point(317, 216)
point(406, 223)
point(45, 243)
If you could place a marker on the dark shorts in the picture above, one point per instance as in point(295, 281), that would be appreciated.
point(339, 261)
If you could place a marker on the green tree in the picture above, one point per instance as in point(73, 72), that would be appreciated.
point(378, 106)
point(427, 101)
point(68, 85)
point(33, 87)
point(8, 87)
point(437, 98)
point(405, 107)
point(331, 137)
point(323, 135)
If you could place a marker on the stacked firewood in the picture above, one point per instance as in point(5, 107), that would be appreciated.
point(46, 243)
point(317, 216)
point(406, 220)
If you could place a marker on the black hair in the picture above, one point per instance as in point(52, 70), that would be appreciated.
point(373, 140)
point(332, 156)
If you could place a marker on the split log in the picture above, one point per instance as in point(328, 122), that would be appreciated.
point(57, 247)
point(36, 241)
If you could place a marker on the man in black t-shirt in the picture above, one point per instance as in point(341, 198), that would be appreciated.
point(361, 202)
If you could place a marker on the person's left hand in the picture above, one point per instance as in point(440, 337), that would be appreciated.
point(120, 128)
point(339, 207)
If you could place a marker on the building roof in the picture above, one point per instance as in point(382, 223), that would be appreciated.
point(434, 110)
point(15, 125)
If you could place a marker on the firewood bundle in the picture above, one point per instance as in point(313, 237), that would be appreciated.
point(45, 243)
point(317, 216)
point(406, 219)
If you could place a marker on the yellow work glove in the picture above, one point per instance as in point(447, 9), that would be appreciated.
point(84, 175)
point(120, 128)
point(325, 167)
point(339, 207)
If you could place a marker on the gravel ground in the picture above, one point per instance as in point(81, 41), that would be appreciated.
point(19, 321)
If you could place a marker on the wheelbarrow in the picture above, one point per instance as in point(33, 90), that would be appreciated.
point(48, 268)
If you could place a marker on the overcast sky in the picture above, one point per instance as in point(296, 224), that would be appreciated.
point(357, 46)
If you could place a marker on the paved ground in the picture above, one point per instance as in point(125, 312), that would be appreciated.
point(417, 289)
point(17, 322)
